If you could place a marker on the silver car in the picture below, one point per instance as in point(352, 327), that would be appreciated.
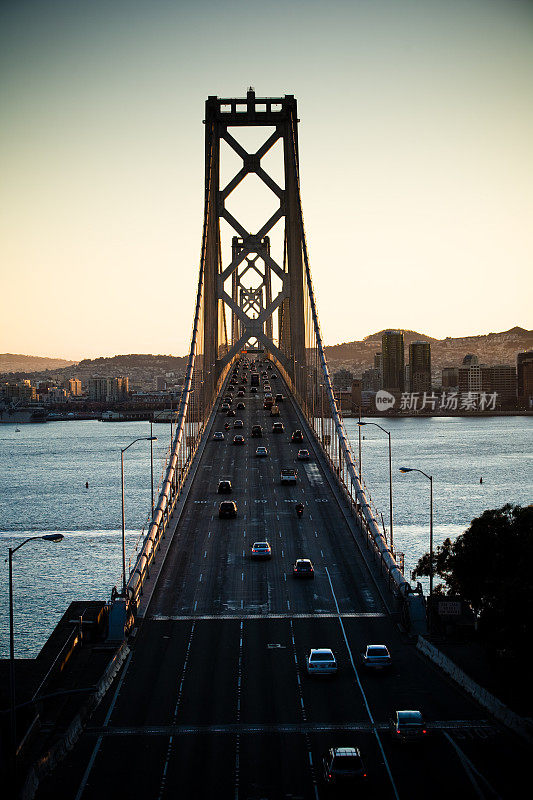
point(321, 662)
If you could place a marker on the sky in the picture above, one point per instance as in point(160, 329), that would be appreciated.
point(416, 159)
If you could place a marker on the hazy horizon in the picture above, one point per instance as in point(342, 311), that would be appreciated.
point(332, 344)
point(416, 123)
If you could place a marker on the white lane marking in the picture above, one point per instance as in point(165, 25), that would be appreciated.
point(368, 711)
point(238, 738)
point(205, 554)
point(162, 784)
point(471, 770)
point(200, 578)
point(90, 765)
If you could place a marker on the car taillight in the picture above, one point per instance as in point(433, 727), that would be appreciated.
point(330, 776)
point(424, 731)
point(397, 730)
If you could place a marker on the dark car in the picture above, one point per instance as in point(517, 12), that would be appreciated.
point(343, 766)
point(240, 393)
point(241, 405)
point(238, 439)
point(408, 726)
point(227, 509)
point(277, 427)
point(279, 398)
point(274, 376)
point(303, 568)
point(297, 436)
point(230, 413)
point(257, 431)
point(224, 407)
point(253, 390)
point(224, 487)
point(231, 388)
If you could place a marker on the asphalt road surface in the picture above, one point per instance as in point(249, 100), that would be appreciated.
point(214, 700)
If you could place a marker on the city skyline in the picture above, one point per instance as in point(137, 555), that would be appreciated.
point(416, 164)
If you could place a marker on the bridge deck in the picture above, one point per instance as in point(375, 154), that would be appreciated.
point(214, 700)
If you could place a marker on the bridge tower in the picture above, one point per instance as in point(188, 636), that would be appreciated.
point(226, 287)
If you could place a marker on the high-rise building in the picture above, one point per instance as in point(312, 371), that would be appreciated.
point(524, 376)
point(499, 378)
point(469, 377)
point(450, 377)
point(420, 366)
point(73, 386)
point(107, 389)
point(393, 361)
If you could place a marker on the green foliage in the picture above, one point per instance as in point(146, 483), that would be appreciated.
point(491, 566)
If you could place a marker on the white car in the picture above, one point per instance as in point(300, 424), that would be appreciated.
point(261, 452)
point(218, 436)
point(321, 662)
point(377, 657)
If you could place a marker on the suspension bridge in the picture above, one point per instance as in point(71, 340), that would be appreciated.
point(213, 698)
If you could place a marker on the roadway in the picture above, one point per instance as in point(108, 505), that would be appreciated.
point(214, 699)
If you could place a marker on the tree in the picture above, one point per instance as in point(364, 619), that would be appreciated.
point(491, 566)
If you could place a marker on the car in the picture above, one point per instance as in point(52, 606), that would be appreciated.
point(303, 455)
point(303, 568)
point(408, 726)
point(274, 411)
point(297, 436)
point(240, 406)
point(240, 393)
point(244, 379)
point(224, 486)
point(238, 439)
point(261, 550)
point(218, 436)
point(343, 766)
point(269, 366)
point(261, 452)
point(257, 431)
point(238, 423)
point(253, 390)
point(231, 388)
point(268, 403)
point(224, 406)
point(277, 427)
point(288, 475)
point(279, 398)
point(376, 656)
point(267, 388)
point(230, 413)
point(274, 376)
point(321, 662)
point(227, 509)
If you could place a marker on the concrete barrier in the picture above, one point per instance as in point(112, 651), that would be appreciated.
point(494, 706)
point(50, 759)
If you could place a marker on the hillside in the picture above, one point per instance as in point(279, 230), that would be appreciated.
point(140, 369)
point(491, 348)
point(10, 362)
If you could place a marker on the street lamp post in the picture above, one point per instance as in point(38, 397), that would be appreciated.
point(48, 537)
point(390, 476)
point(122, 451)
point(430, 479)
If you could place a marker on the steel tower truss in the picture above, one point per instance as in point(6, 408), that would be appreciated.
point(252, 309)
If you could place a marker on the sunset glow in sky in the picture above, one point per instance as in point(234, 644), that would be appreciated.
point(416, 162)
